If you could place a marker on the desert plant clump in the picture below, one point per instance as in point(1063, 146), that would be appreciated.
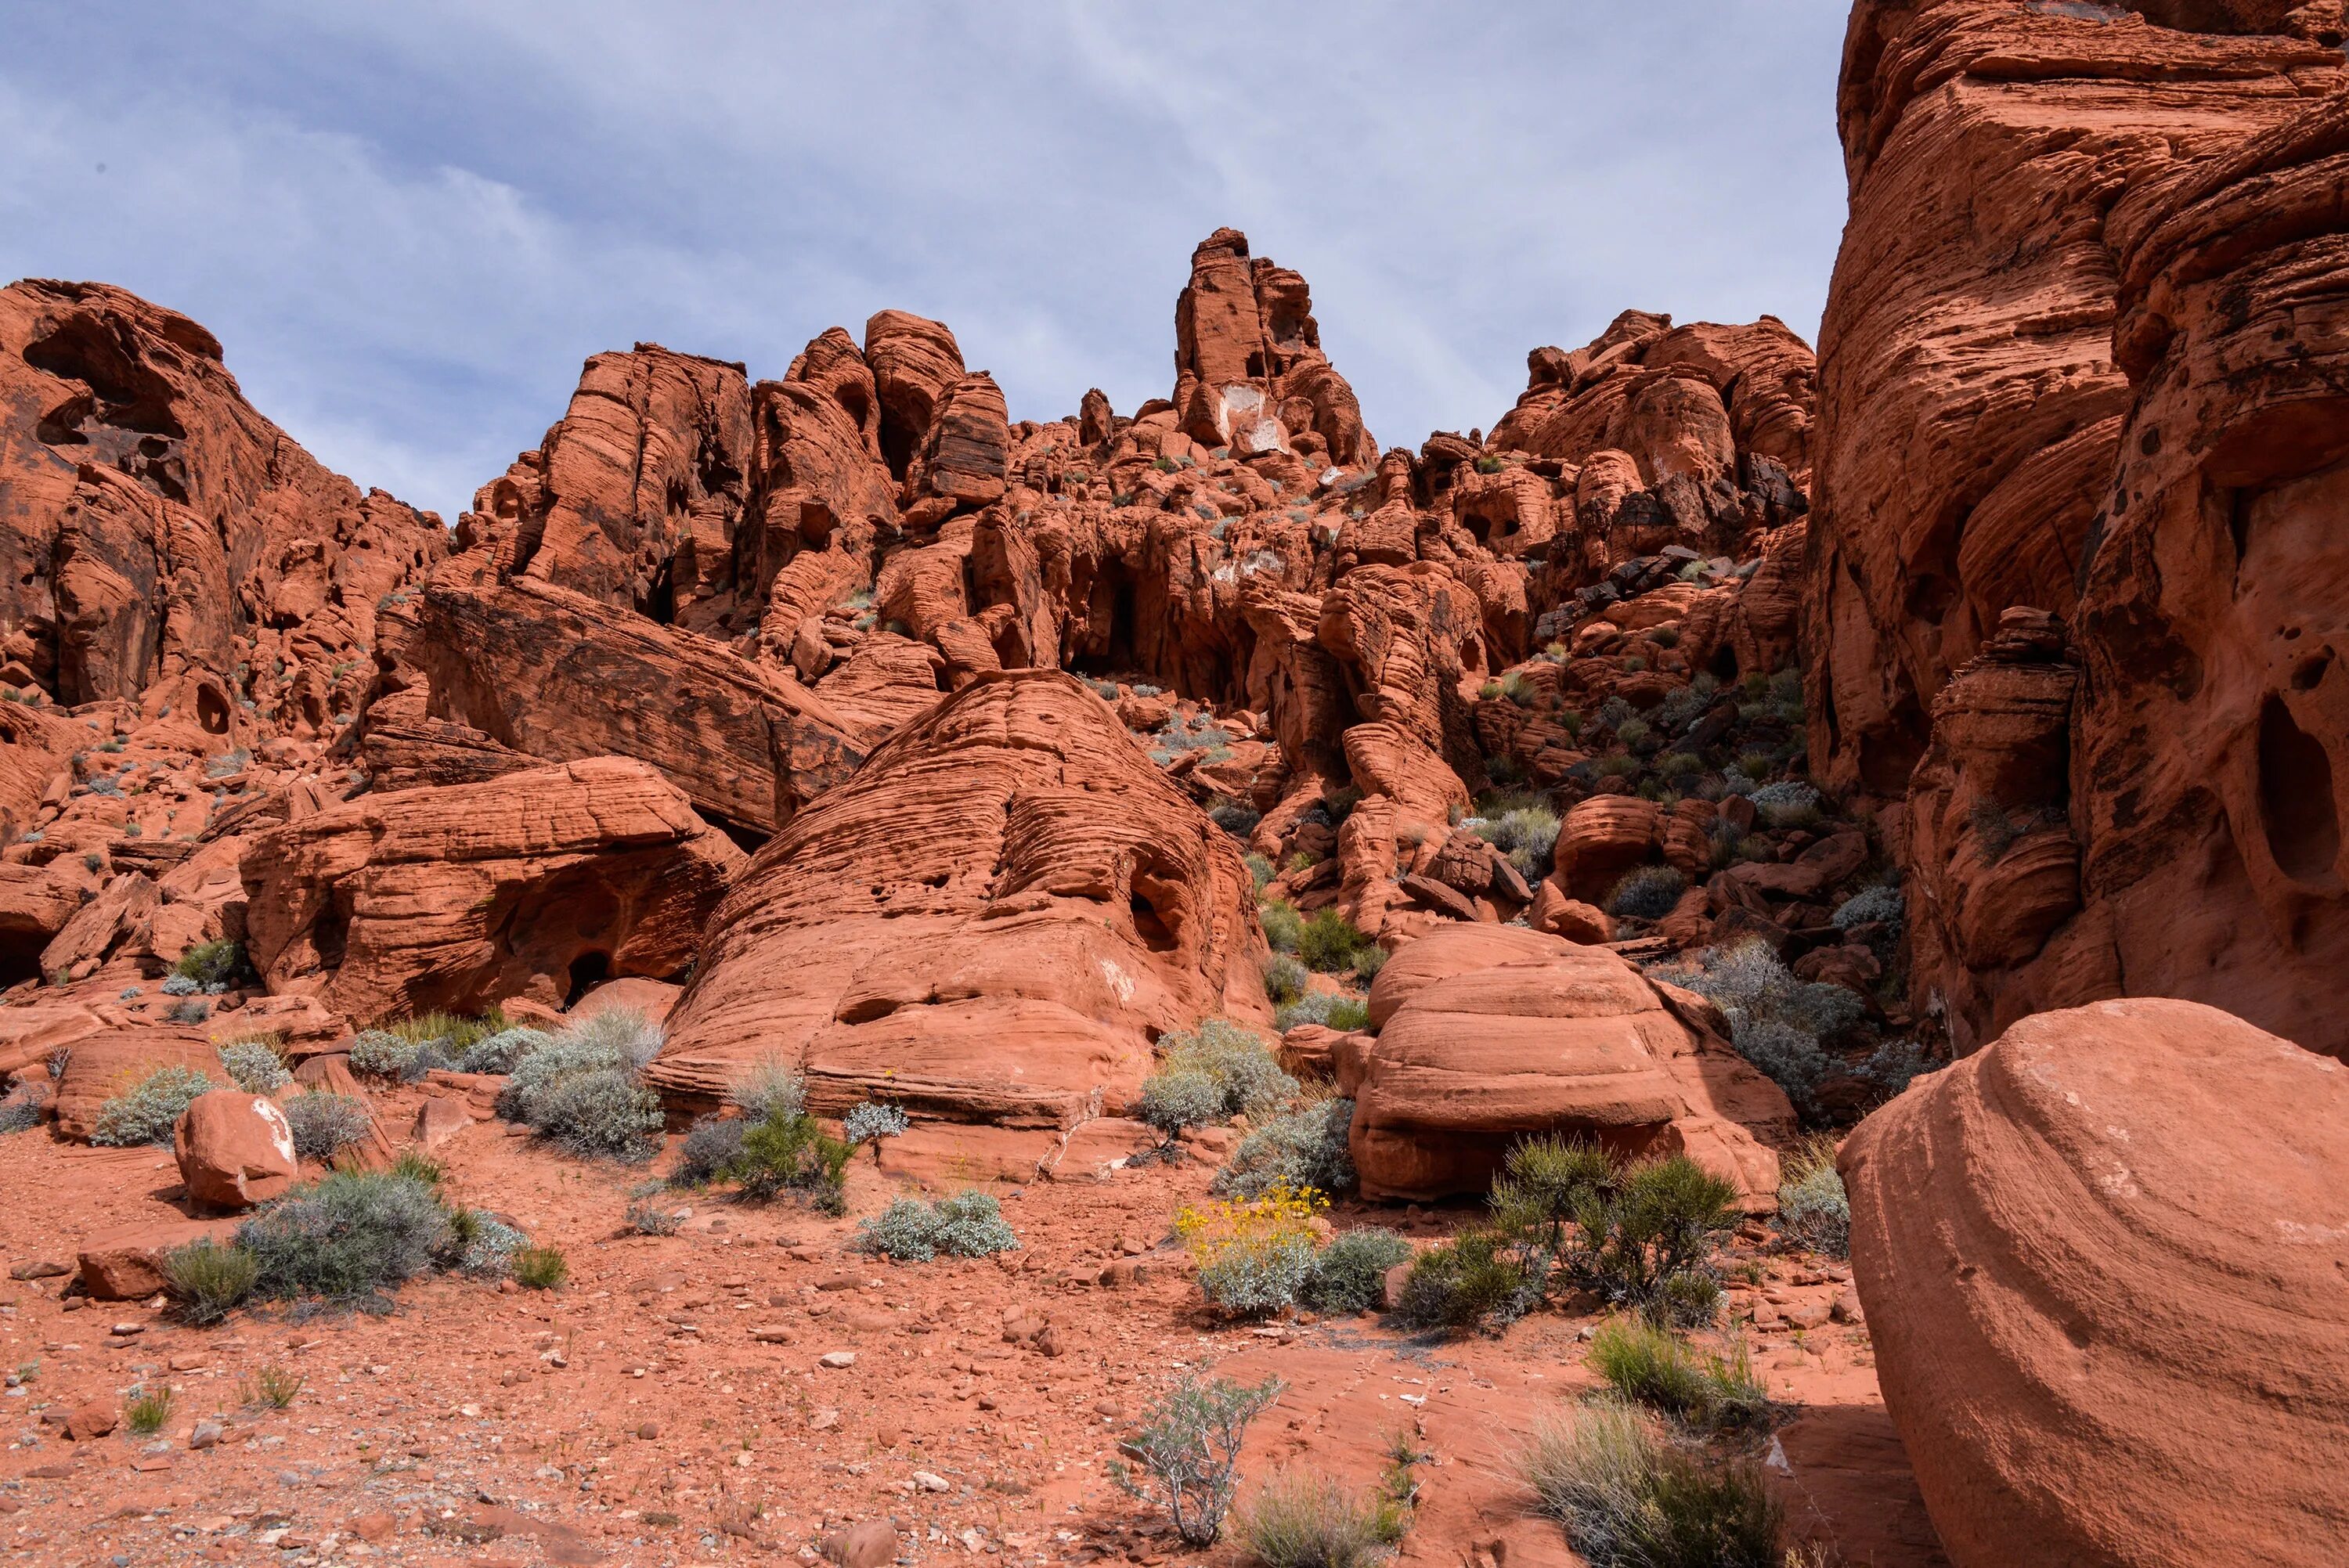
point(20, 1115)
point(1331, 1009)
point(1172, 1102)
point(325, 1124)
point(710, 1146)
point(273, 1385)
point(771, 1087)
point(1284, 928)
point(1350, 1274)
point(486, 1246)
point(149, 1111)
point(1648, 893)
point(147, 1412)
point(1527, 834)
point(498, 1053)
point(540, 1268)
point(1813, 1208)
point(1187, 1454)
point(252, 1060)
point(1284, 979)
point(1643, 1236)
point(1211, 1074)
point(1480, 1278)
point(646, 1217)
point(212, 966)
point(180, 986)
point(1305, 1148)
point(1776, 1021)
point(970, 1225)
point(346, 1238)
point(194, 1010)
point(792, 1154)
point(1334, 944)
point(1651, 1365)
point(1304, 1519)
point(1254, 1253)
point(1626, 1498)
point(209, 1280)
point(581, 1091)
point(872, 1121)
point(1789, 803)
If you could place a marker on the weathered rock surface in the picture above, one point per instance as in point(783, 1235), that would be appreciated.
point(537, 885)
point(1488, 1034)
point(126, 1264)
point(991, 922)
point(2101, 1261)
point(234, 1150)
point(103, 1063)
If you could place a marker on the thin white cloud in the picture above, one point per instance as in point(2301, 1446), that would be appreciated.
point(408, 225)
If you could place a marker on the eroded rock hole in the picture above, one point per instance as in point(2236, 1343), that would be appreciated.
point(2296, 804)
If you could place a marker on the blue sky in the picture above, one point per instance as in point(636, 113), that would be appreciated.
point(409, 225)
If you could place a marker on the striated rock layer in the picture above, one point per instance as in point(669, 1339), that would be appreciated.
point(992, 921)
point(2072, 590)
point(2101, 1265)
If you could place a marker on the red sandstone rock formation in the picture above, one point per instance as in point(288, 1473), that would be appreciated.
point(2101, 1261)
point(2069, 465)
point(1490, 1034)
point(536, 885)
point(1009, 869)
point(1248, 366)
point(163, 544)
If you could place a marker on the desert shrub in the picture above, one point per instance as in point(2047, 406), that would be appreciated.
point(580, 1089)
point(146, 1412)
point(1628, 1500)
point(380, 1053)
point(1775, 1019)
point(1284, 979)
point(253, 1062)
point(485, 1248)
point(325, 1124)
point(1260, 869)
point(1519, 690)
point(1813, 1208)
point(149, 1110)
point(1632, 731)
point(1480, 1276)
point(1331, 1009)
point(1232, 817)
point(1330, 942)
point(1652, 1225)
point(1647, 893)
point(1892, 1066)
point(1305, 1148)
point(501, 1052)
point(20, 1115)
point(1187, 1452)
point(647, 1218)
point(872, 1121)
point(1680, 765)
point(792, 1154)
point(347, 1237)
point(192, 1011)
point(1651, 1365)
point(1788, 804)
point(1544, 1184)
point(211, 964)
point(969, 1225)
point(1878, 906)
point(1254, 1253)
point(1304, 1519)
point(771, 1087)
point(1614, 765)
point(1236, 1060)
point(208, 1280)
point(540, 1268)
point(1528, 835)
point(180, 986)
point(1173, 1101)
point(1284, 928)
point(710, 1146)
point(1350, 1274)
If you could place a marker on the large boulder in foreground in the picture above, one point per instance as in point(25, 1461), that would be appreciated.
point(2104, 1265)
point(536, 884)
point(1491, 1034)
point(992, 921)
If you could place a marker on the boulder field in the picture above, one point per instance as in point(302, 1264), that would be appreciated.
point(1906, 782)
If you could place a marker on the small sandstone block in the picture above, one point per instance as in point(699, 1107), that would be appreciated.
point(868, 1545)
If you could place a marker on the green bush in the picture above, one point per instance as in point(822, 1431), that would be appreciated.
point(1647, 893)
point(1284, 928)
point(792, 1154)
point(147, 1412)
point(540, 1268)
point(1813, 1208)
point(969, 1225)
point(208, 1280)
point(1527, 834)
point(1331, 1009)
point(1628, 1500)
point(1236, 1060)
point(1476, 1278)
point(149, 1111)
point(1544, 1183)
point(347, 1237)
point(771, 1087)
point(1303, 1519)
point(1350, 1274)
point(1284, 979)
point(253, 1062)
point(1652, 1224)
point(1188, 1452)
point(1303, 1148)
point(210, 964)
point(1260, 869)
point(1332, 944)
point(1651, 1365)
point(325, 1124)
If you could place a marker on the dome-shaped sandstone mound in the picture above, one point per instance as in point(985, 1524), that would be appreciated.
point(993, 921)
point(2106, 1262)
